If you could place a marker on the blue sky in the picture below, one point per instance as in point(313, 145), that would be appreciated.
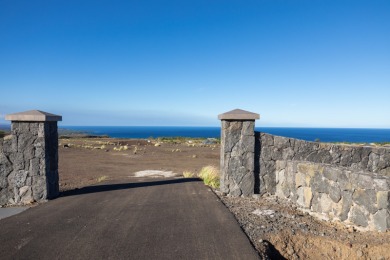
point(301, 63)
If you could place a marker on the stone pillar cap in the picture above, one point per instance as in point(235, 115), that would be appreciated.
point(238, 114)
point(33, 116)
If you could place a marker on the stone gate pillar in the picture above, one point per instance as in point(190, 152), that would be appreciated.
point(238, 152)
point(32, 154)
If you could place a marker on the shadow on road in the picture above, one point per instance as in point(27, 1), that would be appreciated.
point(123, 186)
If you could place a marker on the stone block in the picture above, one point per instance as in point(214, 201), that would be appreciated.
point(365, 181)
point(326, 203)
point(281, 142)
point(39, 188)
point(27, 198)
point(319, 184)
point(346, 157)
point(384, 161)
point(35, 166)
point(346, 203)
point(356, 154)
point(266, 153)
point(383, 199)
point(325, 155)
point(358, 217)
point(344, 180)
point(267, 140)
point(268, 183)
point(314, 157)
point(288, 153)
point(247, 184)
point(334, 192)
point(249, 161)
point(18, 161)
point(235, 190)
point(337, 208)
point(20, 178)
point(248, 128)
point(310, 168)
point(315, 203)
point(300, 180)
point(305, 197)
point(276, 154)
point(381, 219)
point(280, 165)
point(366, 199)
point(385, 172)
point(7, 148)
point(373, 160)
point(23, 190)
point(332, 173)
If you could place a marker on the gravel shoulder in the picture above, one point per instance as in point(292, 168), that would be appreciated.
point(279, 230)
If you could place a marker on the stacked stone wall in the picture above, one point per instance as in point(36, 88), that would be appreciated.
point(340, 182)
point(275, 148)
point(336, 193)
point(29, 163)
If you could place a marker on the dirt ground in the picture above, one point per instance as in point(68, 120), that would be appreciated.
point(87, 161)
point(276, 228)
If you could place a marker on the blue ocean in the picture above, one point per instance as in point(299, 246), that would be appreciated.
point(358, 135)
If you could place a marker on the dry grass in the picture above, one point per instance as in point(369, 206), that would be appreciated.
point(102, 178)
point(188, 174)
point(208, 174)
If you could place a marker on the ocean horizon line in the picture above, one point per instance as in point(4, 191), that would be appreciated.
point(203, 126)
point(359, 135)
point(322, 134)
point(184, 126)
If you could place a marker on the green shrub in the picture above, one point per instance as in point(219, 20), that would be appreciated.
point(2, 134)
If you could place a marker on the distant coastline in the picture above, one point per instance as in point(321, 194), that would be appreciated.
point(351, 135)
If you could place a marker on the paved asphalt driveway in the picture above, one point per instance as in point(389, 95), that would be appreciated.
point(142, 219)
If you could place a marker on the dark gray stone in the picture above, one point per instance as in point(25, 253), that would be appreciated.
point(288, 153)
point(325, 156)
point(20, 178)
point(356, 154)
point(346, 158)
point(334, 192)
point(384, 161)
point(366, 199)
point(373, 159)
point(281, 142)
point(318, 184)
point(365, 181)
point(383, 199)
point(380, 220)
point(247, 184)
point(346, 201)
point(332, 173)
point(358, 217)
point(39, 188)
